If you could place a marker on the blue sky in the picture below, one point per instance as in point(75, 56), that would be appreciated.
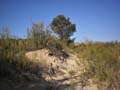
point(97, 20)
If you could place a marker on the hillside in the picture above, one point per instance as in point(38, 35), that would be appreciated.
point(89, 66)
point(49, 59)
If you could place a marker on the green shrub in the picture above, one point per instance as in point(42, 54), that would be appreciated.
point(38, 36)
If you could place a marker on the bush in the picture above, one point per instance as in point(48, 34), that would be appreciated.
point(38, 36)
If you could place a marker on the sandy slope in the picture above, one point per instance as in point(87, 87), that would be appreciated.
point(63, 73)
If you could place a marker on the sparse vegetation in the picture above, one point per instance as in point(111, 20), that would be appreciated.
point(102, 62)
